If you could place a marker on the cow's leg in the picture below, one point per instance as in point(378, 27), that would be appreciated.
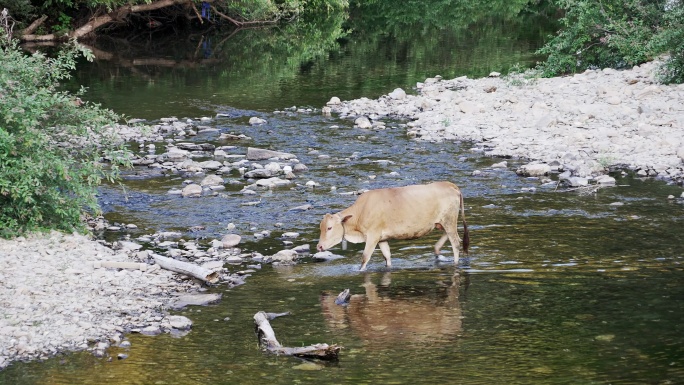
point(384, 247)
point(440, 243)
point(368, 251)
point(455, 243)
point(450, 226)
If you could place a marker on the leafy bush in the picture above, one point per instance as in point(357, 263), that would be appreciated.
point(50, 144)
point(617, 34)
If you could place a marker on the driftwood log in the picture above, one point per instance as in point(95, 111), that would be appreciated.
point(121, 265)
point(268, 341)
point(186, 268)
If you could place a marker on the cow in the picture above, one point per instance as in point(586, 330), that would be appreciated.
point(407, 212)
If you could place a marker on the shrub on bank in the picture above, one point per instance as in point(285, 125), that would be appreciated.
point(51, 144)
point(617, 34)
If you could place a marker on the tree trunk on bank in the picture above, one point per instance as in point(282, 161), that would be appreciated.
point(122, 13)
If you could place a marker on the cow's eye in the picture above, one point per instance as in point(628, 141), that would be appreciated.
point(330, 228)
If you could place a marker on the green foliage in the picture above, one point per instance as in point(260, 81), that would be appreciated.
point(64, 23)
point(617, 34)
point(670, 39)
point(50, 147)
point(19, 9)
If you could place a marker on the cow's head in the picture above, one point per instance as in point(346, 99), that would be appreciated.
point(332, 231)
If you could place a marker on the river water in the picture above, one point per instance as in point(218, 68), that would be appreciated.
point(559, 287)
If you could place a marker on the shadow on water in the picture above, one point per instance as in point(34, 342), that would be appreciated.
point(558, 288)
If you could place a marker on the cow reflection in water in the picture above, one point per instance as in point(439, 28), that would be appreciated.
point(383, 318)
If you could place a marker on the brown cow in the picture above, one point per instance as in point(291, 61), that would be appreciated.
point(398, 213)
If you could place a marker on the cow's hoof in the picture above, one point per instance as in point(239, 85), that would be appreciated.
point(441, 258)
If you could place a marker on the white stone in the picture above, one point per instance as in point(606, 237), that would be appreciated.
point(256, 121)
point(397, 94)
point(180, 322)
point(230, 240)
point(363, 122)
point(534, 169)
point(212, 180)
point(285, 256)
point(192, 191)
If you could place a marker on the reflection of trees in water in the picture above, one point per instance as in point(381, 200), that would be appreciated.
point(404, 314)
point(452, 34)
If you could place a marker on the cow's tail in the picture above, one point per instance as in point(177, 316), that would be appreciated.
point(466, 235)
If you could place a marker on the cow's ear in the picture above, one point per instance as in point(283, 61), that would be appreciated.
point(345, 218)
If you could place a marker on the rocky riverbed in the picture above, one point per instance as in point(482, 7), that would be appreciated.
point(585, 124)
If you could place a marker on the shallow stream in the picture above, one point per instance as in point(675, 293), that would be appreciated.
point(559, 287)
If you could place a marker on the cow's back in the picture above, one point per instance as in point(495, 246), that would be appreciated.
point(406, 212)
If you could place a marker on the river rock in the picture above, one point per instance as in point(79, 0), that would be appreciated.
point(605, 180)
point(273, 182)
point(180, 322)
point(195, 299)
point(576, 181)
point(283, 256)
point(192, 191)
point(259, 173)
point(230, 240)
point(397, 94)
point(210, 165)
point(263, 154)
point(334, 101)
point(212, 180)
point(254, 121)
point(176, 155)
point(274, 168)
point(363, 122)
point(534, 169)
point(300, 167)
point(196, 146)
point(326, 256)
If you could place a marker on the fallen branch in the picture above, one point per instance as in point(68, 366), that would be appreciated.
point(31, 28)
point(267, 339)
point(343, 298)
point(186, 268)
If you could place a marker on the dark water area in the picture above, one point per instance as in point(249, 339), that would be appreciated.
point(559, 287)
point(361, 54)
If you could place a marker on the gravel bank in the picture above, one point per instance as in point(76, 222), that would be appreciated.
point(584, 124)
point(53, 298)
